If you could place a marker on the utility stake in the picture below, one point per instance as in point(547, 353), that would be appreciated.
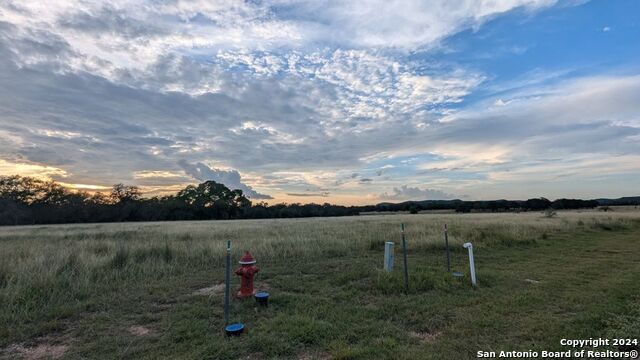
point(446, 244)
point(227, 284)
point(406, 270)
point(388, 256)
point(472, 266)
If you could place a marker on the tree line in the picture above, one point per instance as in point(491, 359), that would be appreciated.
point(27, 200)
point(536, 204)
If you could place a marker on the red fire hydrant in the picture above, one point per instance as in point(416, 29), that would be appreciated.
point(246, 272)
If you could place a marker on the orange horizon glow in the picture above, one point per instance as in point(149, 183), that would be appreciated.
point(50, 173)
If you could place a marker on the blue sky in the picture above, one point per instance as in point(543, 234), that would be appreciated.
point(325, 101)
point(597, 37)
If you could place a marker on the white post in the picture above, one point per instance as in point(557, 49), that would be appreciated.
point(388, 256)
point(472, 266)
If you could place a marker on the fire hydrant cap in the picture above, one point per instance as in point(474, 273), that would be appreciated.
point(247, 259)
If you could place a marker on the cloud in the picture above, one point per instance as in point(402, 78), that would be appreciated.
point(31, 169)
point(230, 178)
point(293, 95)
point(578, 129)
point(309, 194)
point(90, 126)
point(599, 110)
point(405, 192)
point(405, 24)
point(256, 124)
point(135, 34)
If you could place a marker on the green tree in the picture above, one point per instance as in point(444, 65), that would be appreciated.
point(25, 190)
point(214, 199)
point(121, 193)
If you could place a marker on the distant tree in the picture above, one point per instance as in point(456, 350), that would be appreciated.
point(98, 198)
point(51, 193)
point(538, 204)
point(121, 193)
point(12, 212)
point(464, 207)
point(213, 199)
point(24, 190)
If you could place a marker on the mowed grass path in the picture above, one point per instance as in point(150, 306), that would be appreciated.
point(89, 288)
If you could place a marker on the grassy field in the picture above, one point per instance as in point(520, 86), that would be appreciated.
point(152, 290)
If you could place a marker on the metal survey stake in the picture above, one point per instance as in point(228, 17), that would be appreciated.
point(227, 284)
point(404, 254)
point(446, 244)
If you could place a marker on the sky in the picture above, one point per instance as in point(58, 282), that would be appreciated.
point(347, 102)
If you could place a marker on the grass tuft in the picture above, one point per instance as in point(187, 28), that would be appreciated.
point(162, 253)
point(120, 258)
point(70, 268)
point(4, 274)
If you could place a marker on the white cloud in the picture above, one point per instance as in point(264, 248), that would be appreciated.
point(406, 24)
point(156, 174)
point(405, 192)
point(106, 37)
point(230, 178)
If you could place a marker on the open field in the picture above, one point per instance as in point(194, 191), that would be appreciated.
point(149, 290)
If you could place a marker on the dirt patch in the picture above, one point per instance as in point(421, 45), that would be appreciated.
point(425, 336)
point(219, 289)
point(139, 330)
point(215, 289)
point(36, 352)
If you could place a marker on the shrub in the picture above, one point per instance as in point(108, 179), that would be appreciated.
point(550, 213)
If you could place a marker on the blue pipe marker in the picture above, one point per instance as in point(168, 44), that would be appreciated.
point(234, 329)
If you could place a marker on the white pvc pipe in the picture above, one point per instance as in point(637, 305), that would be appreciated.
point(472, 266)
point(388, 256)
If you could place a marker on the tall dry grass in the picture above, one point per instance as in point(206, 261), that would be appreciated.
point(44, 270)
